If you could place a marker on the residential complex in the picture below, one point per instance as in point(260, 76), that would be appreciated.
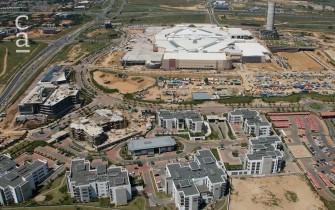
point(17, 184)
point(85, 183)
point(182, 120)
point(251, 122)
point(151, 146)
point(203, 180)
point(52, 96)
point(265, 155)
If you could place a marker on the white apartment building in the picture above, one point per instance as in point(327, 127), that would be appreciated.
point(85, 183)
point(17, 184)
point(265, 155)
point(202, 181)
point(251, 122)
point(182, 120)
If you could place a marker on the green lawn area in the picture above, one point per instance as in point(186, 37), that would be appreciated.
point(16, 60)
point(138, 204)
point(215, 153)
point(83, 48)
point(298, 96)
point(25, 146)
point(316, 106)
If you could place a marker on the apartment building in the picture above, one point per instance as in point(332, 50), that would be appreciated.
point(85, 183)
point(181, 120)
point(109, 119)
point(251, 122)
point(265, 155)
point(151, 146)
point(17, 184)
point(85, 131)
point(203, 180)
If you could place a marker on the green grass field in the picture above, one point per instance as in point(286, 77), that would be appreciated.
point(16, 60)
point(164, 19)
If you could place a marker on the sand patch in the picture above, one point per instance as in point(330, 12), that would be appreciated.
point(110, 60)
point(299, 61)
point(198, 7)
point(275, 193)
point(130, 84)
point(261, 67)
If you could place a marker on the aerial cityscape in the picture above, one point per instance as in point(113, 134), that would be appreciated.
point(167, 105)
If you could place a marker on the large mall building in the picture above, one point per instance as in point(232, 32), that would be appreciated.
point(196, 47)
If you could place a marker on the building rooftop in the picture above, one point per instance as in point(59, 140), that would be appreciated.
point(251, 116)
point(56, 74)
point(163, 141)
point(39, 94)
point(198, 96)
point(92, 130)
point(60, 94)
point(204, 165)
point(14, 175)
point(82, 174)
point(165, 114)
point(264, 147)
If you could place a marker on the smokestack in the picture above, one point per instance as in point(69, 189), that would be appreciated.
point(271, 16)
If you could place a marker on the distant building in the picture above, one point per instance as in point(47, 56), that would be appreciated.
point(332, 175)
point(85, 183)
point(182, 120)
point(204, 180)
point(151, 146)
point(17, 184)
point(220, 5)
point(251, 122)
point(265, 155)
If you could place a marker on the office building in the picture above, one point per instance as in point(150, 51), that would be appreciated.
point(203, 180)
point(181, 120)
point(265, 155)
point(85, 183)
point(251, 122)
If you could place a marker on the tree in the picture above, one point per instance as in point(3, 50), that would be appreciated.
point(206, 81)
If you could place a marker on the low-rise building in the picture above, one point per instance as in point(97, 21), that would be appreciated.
point(251, 122)
point(182, 120)
point(85, 183)
point(265, 155)
point(203, 180)
point(151, 146)
point(17, 184)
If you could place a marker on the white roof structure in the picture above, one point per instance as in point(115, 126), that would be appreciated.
point(251, 49)
point(195, 56)
point(60, 94)
point(199, 38)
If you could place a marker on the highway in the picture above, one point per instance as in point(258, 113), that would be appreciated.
point(28, 70)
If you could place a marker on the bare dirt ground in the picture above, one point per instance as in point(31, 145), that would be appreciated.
point(275, 193)
point(261, 66)
point(198, 7)
point(295, 61)
point(109, 60)
point(135, 31)
point(331, 53)
point(128, 85)
point(97, 32)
